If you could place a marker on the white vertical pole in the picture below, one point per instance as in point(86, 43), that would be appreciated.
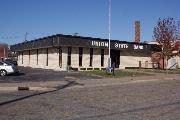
point(109, 60)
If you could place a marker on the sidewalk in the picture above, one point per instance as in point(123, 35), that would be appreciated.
point(34, 86)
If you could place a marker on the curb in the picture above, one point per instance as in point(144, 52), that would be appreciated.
point(18, 88)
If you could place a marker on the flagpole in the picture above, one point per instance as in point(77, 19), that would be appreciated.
point(109, 59)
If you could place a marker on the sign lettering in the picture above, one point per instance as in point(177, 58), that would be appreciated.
point(117, 45)
point(138, 47)
point(124, 46)
point(100, 44)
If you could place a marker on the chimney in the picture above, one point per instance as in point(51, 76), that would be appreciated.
point(137, 32)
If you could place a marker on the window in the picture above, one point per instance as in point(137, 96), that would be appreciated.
point(60, 57)
point(102, 57)
point(69, 56)
point(37, 55)
point(80, 56)
point(47, 57)
point(91, 57)
point(22, 57)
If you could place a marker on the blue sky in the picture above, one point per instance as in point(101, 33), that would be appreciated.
point(41, 18)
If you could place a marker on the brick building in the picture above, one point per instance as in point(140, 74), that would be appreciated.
point(3, 51)
point(82, 53)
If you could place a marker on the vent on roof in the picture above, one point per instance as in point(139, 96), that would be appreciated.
point(75, 34)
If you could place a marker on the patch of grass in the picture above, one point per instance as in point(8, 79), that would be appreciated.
point(118, 73)
point(176, 71)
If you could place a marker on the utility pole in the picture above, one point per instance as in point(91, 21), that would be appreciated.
point(25, 40)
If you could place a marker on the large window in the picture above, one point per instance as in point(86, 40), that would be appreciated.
point(80, 56)
point(102, 57)
point(69, 56)
point(22, 57)
point(60, 57)
point(91, 57)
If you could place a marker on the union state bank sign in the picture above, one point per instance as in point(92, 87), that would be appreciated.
point(117, 45)
point(81, 42)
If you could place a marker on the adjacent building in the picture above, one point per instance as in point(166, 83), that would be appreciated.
point(174, 62)
point(3, 51)
point(82, 53)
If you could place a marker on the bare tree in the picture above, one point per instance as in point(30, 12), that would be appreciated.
point(165, 33)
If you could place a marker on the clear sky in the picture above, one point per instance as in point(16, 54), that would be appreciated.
point(41, 18)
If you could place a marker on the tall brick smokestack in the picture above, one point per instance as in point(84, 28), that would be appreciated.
point(137, 32)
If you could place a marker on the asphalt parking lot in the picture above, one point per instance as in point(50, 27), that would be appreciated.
point(151, 100)
point(40, 75)
point(83, 97)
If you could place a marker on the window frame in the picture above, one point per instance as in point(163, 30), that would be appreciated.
point(80, 56)
point(91, 57)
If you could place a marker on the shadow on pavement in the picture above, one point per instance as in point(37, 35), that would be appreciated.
point(69, 84)
point(17, 74)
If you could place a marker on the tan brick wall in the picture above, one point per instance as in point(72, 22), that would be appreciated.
point(64, 58)
point(133, 61)
point(25, 58)
point(42, 58)
point(106, 56)
point(20, 59)
point(86, 57)
point(53, 58)
point(75, 57)
point(96, 58)
point(33, 58)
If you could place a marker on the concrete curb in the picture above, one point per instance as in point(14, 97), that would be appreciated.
point(30, 89)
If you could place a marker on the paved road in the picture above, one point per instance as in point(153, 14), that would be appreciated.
point(156, 99)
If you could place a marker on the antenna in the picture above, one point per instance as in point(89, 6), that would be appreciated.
point(75, 34)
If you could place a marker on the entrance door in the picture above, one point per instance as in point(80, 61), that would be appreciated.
point(115, 58)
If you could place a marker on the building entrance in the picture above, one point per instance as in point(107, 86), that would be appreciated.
point(115, 58)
